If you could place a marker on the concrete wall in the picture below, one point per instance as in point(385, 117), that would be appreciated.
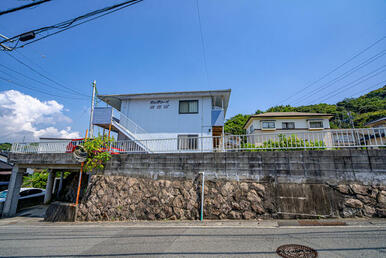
point(340, 166)
point(335, 166)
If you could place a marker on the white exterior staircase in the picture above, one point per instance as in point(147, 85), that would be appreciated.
point(103, 116)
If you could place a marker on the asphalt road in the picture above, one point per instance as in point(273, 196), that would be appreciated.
point(39, 239)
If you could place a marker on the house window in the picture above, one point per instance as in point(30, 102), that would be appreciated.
point(188, 107)
point(316, 124)
point(251, 129)
point(187, 142)
point(288, 125)
point(268, 124)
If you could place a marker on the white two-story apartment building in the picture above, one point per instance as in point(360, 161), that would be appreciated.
point(166, 121)
point(268, 125)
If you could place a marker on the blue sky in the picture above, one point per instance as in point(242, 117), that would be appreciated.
point(265, 51)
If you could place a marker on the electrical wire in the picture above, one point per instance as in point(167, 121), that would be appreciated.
point(202, 42)
point(30, 60)
point(37, 90)
point(46, 77)
point(335, 69)
point(49, 35)
point(68, 24)
point(371, 87)
point(354, 83)
point(23, 7)
point(32, 79)
point(340, 77)
point(34, 88)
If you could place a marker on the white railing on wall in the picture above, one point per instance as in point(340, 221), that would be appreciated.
point(283, 140)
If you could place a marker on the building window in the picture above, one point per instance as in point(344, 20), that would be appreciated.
point(288, 125)
point(187, 142)
point(316, 124)
point(188, 107)
point(268, 125)
point(251, 129)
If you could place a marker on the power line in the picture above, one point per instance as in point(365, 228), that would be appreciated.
point(354, 83)
point(360, 79)
point(34, 88)
point(202, 41)
point(40, 82)
point(335, 69)
point(57, 32)
point(341, 77)
point(37, 90)
point(373, 86)
point(23, 7)
point(34, 70)
point(68, 24)
point(30, 60)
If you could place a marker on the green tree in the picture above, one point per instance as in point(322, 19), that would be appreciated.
point(6, 146)
point(281, 108)
point(37, 179)
point(235, 124)
point(362, 119)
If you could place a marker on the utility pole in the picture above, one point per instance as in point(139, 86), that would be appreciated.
point(91, 127)
point(351, 119)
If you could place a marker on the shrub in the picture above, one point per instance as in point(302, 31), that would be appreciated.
point(284, 143)
point(98, 153)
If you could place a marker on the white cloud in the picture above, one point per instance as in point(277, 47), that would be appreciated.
point(23, 116)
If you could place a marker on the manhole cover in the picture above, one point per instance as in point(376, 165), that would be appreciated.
point(290, 251)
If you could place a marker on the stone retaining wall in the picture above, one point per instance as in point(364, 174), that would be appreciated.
point(126, 198)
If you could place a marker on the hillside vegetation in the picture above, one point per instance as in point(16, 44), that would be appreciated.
point(358, 111)
point(6, 146)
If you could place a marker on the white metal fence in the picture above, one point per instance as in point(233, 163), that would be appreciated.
point(306, 140)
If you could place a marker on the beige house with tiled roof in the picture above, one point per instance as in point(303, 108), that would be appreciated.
point(288, 123)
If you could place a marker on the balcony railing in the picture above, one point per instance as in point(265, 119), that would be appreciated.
point(313, 140)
